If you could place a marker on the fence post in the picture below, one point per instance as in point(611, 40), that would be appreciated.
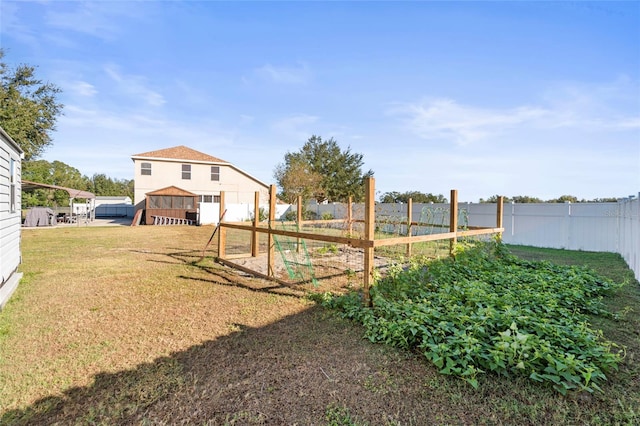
point(222, 231)
point(350, 216)
point(272, 215)
point(255, 242)
point(299, 218)
point(369, 236)
point(453, 220)
point(499, 211)
point(409, 223)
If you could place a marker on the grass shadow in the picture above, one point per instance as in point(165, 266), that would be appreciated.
point(252, 376)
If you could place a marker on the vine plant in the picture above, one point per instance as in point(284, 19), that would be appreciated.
point(487, 311)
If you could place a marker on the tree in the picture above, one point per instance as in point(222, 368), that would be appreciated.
point(56, 173)
point(101, 185)
point(564, 199)
point(523, 199)
point(603, 200)
point(297, 179)
point(494, 199)
point(339, 171)
point(61, 174)
point(416, 197)
point(28, 108)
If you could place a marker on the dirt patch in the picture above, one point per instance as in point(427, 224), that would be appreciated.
point(333, 269)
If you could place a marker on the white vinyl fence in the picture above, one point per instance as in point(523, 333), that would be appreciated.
point(210, 212)
point(609, 227)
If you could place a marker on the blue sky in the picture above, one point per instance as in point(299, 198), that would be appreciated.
point(511, 98)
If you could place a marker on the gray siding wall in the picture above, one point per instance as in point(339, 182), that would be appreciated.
point(10, 221)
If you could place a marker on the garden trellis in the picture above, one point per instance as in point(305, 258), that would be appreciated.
point(359, 231)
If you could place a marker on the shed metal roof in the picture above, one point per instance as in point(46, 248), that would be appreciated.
point(73, 193)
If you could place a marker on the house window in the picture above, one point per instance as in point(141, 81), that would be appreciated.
point(145, 169)
point(186, 171)
point(12, 195)
point(215, 173)
point(209, 198)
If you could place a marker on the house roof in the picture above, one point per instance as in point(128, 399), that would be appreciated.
point(180, 153)
point(183, 153)
point(11, 142)
point(172, 190)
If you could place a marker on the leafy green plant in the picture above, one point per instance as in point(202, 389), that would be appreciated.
point(331, 248)
point(326, 216)
point(263, 214)
point(486, 310)
point(292, 215)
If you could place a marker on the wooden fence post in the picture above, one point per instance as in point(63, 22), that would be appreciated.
point(272, 215)
point(453, 220)
point(222, 232)
point(499, 211)
point(409, 223)
point(369, 236)
point(299, 219)
point(350, 216)
point(255, 242)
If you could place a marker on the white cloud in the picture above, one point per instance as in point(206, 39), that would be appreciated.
point(604, 108)
point(135, 86)
point(445, 119)
point(285, 75)
point(97, 19)
point(11, 24)
point(297, 127)
point(82, 88)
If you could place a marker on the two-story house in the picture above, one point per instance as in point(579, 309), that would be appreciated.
point(184, 172)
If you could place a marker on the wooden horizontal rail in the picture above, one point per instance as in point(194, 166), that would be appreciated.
point(359, 243)
point(353, 242)
point(435, 237)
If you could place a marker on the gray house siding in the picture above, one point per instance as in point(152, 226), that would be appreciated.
point(10, 215)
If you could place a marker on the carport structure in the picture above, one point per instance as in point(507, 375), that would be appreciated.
point(73, 194)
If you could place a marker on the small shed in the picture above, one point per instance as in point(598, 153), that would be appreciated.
point(114, 206)
point(163, 205)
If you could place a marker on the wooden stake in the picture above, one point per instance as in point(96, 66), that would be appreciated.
point(299, 219)
point(499, 211)
point(350, 216)
point(453, 220)
point(369, 235)
point(255, 242)
point(272, 215)
point(409, 223)
point(222, 237)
